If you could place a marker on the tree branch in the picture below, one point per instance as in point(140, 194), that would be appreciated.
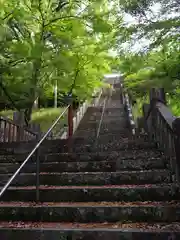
point(8, 15)
point(40, 10)
point(7, 94)
point(14, 63)
point(59, 18)
point(77, 70)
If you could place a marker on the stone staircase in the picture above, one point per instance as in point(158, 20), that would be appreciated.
point(118, 187)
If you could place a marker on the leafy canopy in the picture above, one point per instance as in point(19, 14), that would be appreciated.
point(48, 41)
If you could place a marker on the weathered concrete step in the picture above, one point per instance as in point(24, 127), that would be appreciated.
point(107, 119)
point(104, 144)
point(112, 148)
point(94, 110)
point(26, 147)
point(108, 144)
point(101, 231)
point(89, 166)
point(57, 146)
point(110, 120)
point(123, 132)
point(105, 156)
point(109, 193)
point(108, 138)
point(109, 112)
point(116, 112)
point(87, 156)
point(90, 178)
point(114, 119)
point(48, 146)
point(115, 115)
point(91, 212)
point(121, 127)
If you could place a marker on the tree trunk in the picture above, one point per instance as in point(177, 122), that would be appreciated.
point(28, 113)
point(36, 103)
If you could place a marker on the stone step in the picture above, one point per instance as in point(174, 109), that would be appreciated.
point(105, 156)
point(108, 112)
point(26, 147)
point(106, 138)
point(107, 193)
point(63, 146)
point(90, 231)
point(88, 156)
point(89, 166)
point(108, 118)
point(94, 110)
point(109, 148)
point(110, 122)
point(91, 212)
point(88, 133)
point(90, 178)
point(104, 130)
point(105, 144)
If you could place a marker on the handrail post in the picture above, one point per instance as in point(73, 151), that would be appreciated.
point(18, 117)
point(176, 130)
point(152, 94)
point(37, 171)
point(70, 121)
point(162, 95)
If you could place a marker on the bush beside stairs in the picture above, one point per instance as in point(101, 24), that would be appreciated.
point(118, 187)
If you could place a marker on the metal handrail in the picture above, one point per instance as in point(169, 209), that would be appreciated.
point(102, 115)
point(37, 162)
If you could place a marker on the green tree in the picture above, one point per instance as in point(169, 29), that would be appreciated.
point(47, 41)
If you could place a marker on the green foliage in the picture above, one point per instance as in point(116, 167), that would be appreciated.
point(149, 49)
point(154, 22)
point(159, 68)
point(43, 42)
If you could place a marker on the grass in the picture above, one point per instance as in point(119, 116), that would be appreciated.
point(44, 116)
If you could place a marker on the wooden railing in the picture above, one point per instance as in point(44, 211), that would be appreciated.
point(163, 128)
point(11, 131)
